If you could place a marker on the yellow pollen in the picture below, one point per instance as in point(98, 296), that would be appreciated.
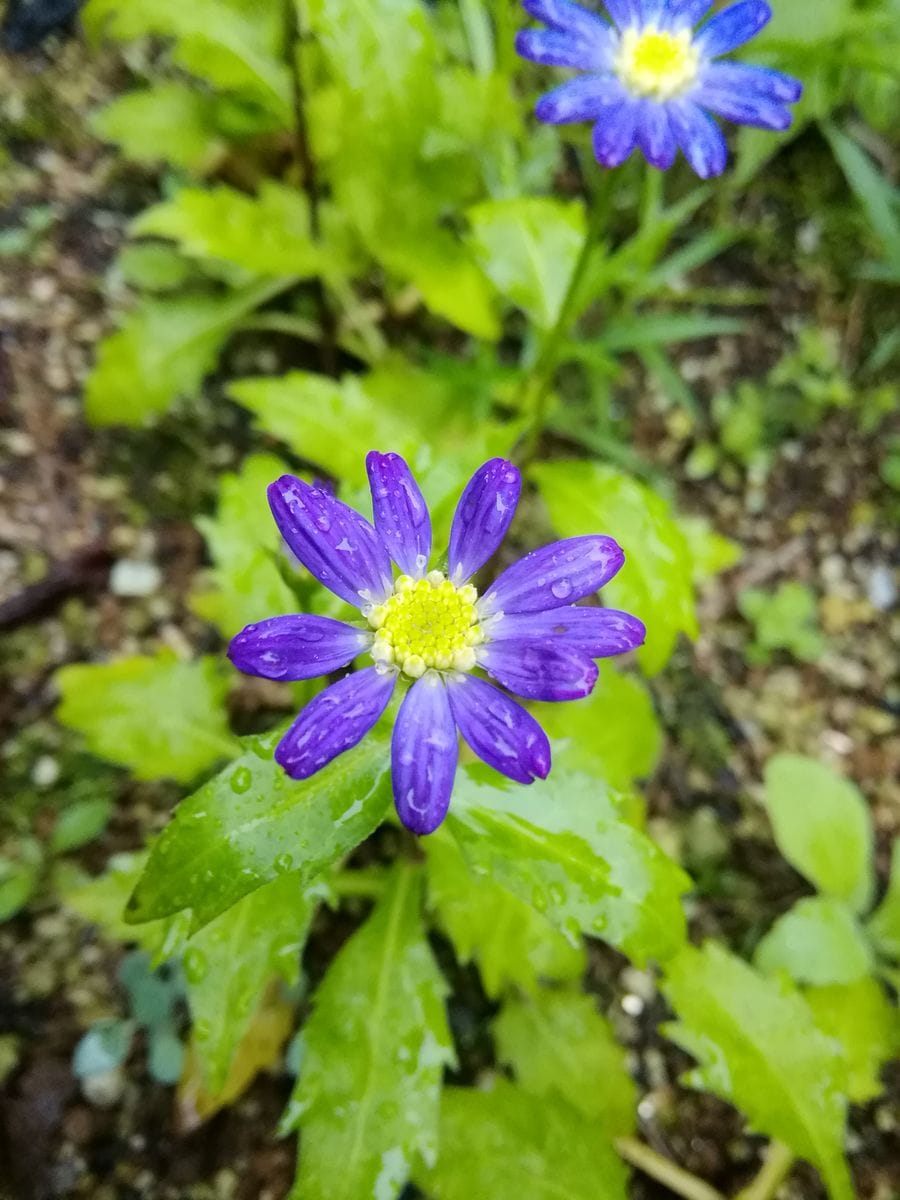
point(651, 62)
point(426, 623)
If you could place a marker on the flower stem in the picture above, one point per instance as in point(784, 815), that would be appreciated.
point(777, 1163)
point(664, 1171)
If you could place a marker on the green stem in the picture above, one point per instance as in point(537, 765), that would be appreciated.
point(664, 1171)
point(775, 1169)
point(534, 393)
point(367, 883)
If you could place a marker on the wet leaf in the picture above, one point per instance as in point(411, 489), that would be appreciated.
point(867, 1025)
point(817, 941)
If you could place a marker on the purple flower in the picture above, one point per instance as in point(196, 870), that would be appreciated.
point(651, 81)
point(434, 629)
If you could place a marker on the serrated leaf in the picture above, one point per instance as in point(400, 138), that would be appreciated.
point(613, 733)
point(817, 942)
point(163, 350)
point(266, 234)
point(822, 826)
point(867, 1025)
point(656, 581)
point(157, 715)
point(375, 1050)
point(168, 122)
point(252, 823)
point(559, 1045)
point(231, 961)
point(512, 944)
point(757, 1047)
point(563, 846)
point(528, 247)
point(884, 924)
point(507, 1144)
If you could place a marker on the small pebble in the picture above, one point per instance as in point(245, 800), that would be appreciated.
point(45, 771)
point(104, 1089)
point(129, 577)
point(881, 587)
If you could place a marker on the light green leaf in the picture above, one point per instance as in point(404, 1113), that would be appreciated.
point(613, 733)
point(104, 1047)
point(375, 1050)
point(710, 551)
point(822, 826)
point(559, 1045)
point(656, 582)
point(785, 619)
point(884, 925)
point(156, 715)
point(866, 1024)
point(564, 847)
point(231, 961)
point(507, 1144)
point(80, 823)
point(757, 1047)
point(877, 196)
point(528, 246)
point(266, 234)
point(663, 329)
point(163, 351)
point(168, 122)
point(19, 877)
point(245, 584)
point(512, 944)
point(817, 942)
point(252, 823)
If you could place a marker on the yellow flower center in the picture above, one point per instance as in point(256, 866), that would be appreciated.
point(654, 63)
point(426, 623)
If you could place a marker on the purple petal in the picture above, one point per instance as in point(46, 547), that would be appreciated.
point(401, 514)
point(499, 730)
point(335, 544)
point(746, 109)
point(652, 11)
point(655, 136)
point(540, 669)
point(424, 752)
point(699, 137)
point(554, 575)
point(746, 80)
point(732, 28)
point(334, 721)
point(615, 134)
point(564, 16)
point(482, 517)
point(685, 13)
point(598, 632)
point(580, 99)
point(552, 48)
point(624, 12)
point(300, 646)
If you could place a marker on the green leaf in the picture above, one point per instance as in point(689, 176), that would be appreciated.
point(156, 715)
point(528, 247)
point(822, 827)
point(559, 1045)
point(375, 1049)
point(663, 329)
point(564, 847)
point(168, 122)
point(507, 1144)
point(757, 1047)
point(710, 551)
point(861, 1018)
point(785, 619)
point(104, 1047)
point(245, 584)
point(513, 945)
point(231, 961)
point(19, 878)
point(266, 234)
point(252, 823)
point(817, 942)
point(884, 924)
point(79, 823)
point(613, 733)
point(163, 351)
point(875, 193)
point(656, 582)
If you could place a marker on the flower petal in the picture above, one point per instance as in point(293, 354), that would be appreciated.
point(540, 668)
point(615, 134)
point(565, 16)
point(685, 13)
point(700, 138)
point(553, 48)
point(652, 11)
point(580, 99)
point(746, 109)
point(334, 721)
point(300, 646)
point(624, 12)
point(655, 136)
point(424, 752)
point(598, 632)
point(482, 517)
point(746, 80)
point(732, 28)
point(499, 730)
point(401, 514)
point(554, 575)
point(335, 544)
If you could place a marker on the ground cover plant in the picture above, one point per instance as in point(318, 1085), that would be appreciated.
point(450, 601)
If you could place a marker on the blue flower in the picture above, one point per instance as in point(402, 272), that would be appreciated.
point(432, 629)
point(651, 81)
